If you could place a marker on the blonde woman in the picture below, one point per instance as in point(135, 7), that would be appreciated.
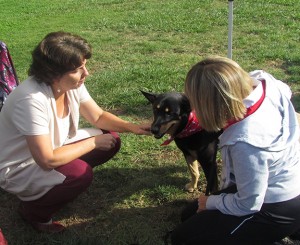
point(259, 201)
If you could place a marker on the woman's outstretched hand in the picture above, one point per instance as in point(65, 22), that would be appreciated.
point(141, 129)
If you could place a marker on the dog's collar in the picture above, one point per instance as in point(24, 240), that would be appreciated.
point(191, 127)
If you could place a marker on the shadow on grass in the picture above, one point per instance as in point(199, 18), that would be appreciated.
point(296, 101)
point(292, 68)
point(140, 113)
point(122, 206)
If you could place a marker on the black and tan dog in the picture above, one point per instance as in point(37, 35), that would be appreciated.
point(173, 115)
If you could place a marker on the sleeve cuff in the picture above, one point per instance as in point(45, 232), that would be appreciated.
point(211, 201)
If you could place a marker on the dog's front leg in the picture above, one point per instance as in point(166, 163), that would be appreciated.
point(193, 167)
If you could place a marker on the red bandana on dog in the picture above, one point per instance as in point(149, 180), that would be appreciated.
point(192, 127)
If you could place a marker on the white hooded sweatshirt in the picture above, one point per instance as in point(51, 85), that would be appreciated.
point(260, 153)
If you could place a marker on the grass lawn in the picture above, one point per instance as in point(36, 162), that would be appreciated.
point(150, 45)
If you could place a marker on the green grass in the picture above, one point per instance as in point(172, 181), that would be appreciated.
point(150, 45)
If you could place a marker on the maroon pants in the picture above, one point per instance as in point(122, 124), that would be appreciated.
point(2, 239)
point(79, 176)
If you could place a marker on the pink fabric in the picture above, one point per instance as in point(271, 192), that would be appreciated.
point(3, 241)
point(79, 175)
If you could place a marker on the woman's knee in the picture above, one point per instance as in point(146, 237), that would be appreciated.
point(189, 210)
point(105, 156)
point(176, 238)
point(97, 157)
point(78, 173)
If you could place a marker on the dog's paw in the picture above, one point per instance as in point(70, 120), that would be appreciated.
point(190, 187)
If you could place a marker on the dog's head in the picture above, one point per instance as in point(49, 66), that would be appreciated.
point(170, 111)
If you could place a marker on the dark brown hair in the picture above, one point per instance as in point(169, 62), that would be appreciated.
point(56, 54)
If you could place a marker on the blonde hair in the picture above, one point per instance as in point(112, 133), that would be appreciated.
point(216, 87)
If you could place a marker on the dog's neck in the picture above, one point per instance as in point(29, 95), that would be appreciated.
point(192, 126)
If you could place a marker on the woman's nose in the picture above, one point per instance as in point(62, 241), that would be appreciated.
point(85, 71)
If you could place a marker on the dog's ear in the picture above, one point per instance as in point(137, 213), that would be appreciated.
point(150, 96)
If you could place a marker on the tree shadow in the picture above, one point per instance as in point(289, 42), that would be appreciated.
point(292, 67)
point(122, 206)
point(296, 101)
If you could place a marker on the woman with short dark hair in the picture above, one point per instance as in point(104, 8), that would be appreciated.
point(46, 160)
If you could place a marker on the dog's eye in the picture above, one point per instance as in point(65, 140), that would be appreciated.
point(170, 113)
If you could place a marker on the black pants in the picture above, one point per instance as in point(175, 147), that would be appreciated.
point(274, 222)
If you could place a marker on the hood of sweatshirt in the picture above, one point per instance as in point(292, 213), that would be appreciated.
point(274, 125)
